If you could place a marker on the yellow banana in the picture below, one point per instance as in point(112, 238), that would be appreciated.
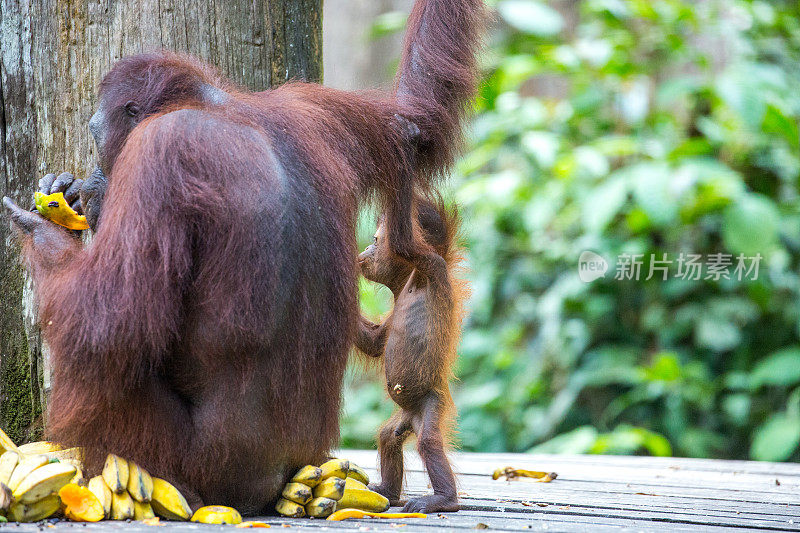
point(121, 506)
point(115, 473)
point(358, 473)
point(352, 483)
point(140, 484)
point(168, 502)
point(344, 514)
point(80, 504)
point(55, 208)
point(335, 468)
point(8, 462)
point(332, 488)
point(364, 500)
point(308, 475)
point(43, 481)
point(25, 467)
point(142, 511)
point(6, 444)
point(42, 446)
point(320, 507)
point(33, 512)
point(103, 494)
point(290, 509)
point(297, 492)
point(217, 514)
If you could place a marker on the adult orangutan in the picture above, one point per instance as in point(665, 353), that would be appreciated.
point(204, 332)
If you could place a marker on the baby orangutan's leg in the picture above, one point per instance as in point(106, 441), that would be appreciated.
point(390, 449)
point(430, 444)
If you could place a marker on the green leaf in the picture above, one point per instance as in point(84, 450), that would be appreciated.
point(531, 17)
point(750, 225)
point(781, 368)
point(776, 439)
point(775, 121)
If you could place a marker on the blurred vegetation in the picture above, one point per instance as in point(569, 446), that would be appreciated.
point(640, 127)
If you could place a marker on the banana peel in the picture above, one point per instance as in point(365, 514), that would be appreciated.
point(55, 208)
point(344, 514)
point(8, 462)
point(33, 512)
point(217, 514)
point(42, 446)
point(168, 502)
point(25, 467)
point(6, 444)
point(510, 473)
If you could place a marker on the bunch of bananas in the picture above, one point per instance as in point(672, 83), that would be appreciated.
point(317, 491)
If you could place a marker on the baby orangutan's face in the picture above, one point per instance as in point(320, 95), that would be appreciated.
point(380, 265)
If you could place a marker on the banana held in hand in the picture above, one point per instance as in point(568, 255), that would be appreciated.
point(55, 208)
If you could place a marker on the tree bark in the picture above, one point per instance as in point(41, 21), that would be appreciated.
point(53, 54)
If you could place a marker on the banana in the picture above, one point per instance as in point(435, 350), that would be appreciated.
point(5, 498)
point(115, 473)
point(320, 507)
point(80, 504)
point(43, 481)
point(42, 446)
point(217, 514)
point(344, 514)
point(297, 492)
point(142, 511)
point(358, 473)
point(168, 502)
point(290, 509)
point(55, 208)
point(8, 462)
point(6, 444)
point(332, 488)
point(121, 506)
point(363, 500)
point(140, 484)
point(33, 512)
point(101, 491)
point(335, 468)
point(352, 483)
point(308, 475)
point(25, 467)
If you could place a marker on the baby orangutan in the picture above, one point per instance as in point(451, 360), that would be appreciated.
point(418, 344)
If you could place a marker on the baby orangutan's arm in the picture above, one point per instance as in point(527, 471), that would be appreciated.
point(371, 337)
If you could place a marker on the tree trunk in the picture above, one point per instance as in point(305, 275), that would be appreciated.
point(53, 55)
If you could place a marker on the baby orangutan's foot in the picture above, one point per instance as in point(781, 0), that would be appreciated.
point(432, 503)
point(394, 498)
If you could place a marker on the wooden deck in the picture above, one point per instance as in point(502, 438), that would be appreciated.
point(592, 493)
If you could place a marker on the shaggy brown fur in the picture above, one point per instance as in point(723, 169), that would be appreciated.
point(418, 345)
point(204, 332)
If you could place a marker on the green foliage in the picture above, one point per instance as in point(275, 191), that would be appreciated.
point(639, 127)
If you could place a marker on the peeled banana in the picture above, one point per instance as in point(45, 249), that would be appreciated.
point(115, 473)
point(8, 462)
point(55, 208)
point(168, 502)
point(217, 514)
point(43, 481)
point(320, 507)
point(140, 484)
point(298, 493)
point(121, 506)
point(103, 494)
